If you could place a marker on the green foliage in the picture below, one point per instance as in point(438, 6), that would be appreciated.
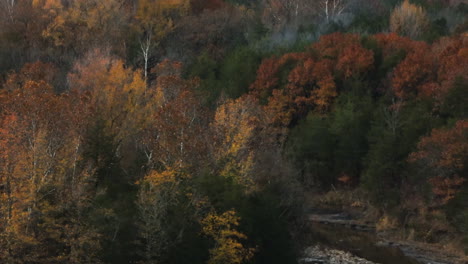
point(261, 217)
point(393, 135)
point(455, 104)
point(113, 213)
point(238, 71)
point(207, 69)
point(368, 23)
point(457, 214)
point(350, 125)
point(311, 146)
point(456, 210)
point(325, 148)
point(436, 29)
point(230, 77)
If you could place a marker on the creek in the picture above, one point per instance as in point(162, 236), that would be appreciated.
point(335, 238)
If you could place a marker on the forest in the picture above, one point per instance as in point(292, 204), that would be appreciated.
point(198, 131)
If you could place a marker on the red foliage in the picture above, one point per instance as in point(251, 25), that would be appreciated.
point(354, 60)
point(267, 77)
point(311, 80)
point(452, 55)
point(267, 74)
point(429, 71)
point(414, 72)
point(332, 45)
point(37, 71)
point(391, 44)
point(445, 153)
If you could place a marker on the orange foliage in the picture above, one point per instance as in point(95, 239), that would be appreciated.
point(345, 50)
point(169, 83)
point(446, 188)
point(452, 56)
point(267, 73)
point(37, 71)
point(118, 95)
point(39, 150)
point(311, 80)
point(416, 70)
point(427, 71)
point(280, 106)
point(354, 60)
point(445, 153)
point(391, 44)
point(332, 45)
point(326, 84)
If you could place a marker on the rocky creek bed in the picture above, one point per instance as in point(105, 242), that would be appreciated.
point(340, 238)
point(322, 255)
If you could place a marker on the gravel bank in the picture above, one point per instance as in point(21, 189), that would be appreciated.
point(321, 255)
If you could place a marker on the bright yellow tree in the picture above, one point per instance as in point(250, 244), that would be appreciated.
point(228, 247)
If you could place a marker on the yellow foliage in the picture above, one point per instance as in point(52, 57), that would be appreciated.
point(237, 123)
point(156, 17)
point(47, 4)
point(84, 22)
point(228, 248)
point(159, 178)
point(408, 20)
point(119, 94)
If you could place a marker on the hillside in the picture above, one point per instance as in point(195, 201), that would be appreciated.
point(205, 131)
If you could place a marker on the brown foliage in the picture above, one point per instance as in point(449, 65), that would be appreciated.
point(176, 132)
point(199, 6)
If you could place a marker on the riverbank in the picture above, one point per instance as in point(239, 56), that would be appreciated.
point(354, 229)
point(322, 255)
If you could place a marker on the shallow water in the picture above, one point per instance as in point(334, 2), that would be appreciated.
point(361, 244)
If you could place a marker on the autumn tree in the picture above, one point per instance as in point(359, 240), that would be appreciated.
point(228, 247)
point(452, 58)
point(20, 34)
point(409, 20)
point(414, 74)
point(155, 19)
point(163, 208)
point(176, 133)
point(82, 24)
point(237, 124)
point(45, 175)
point(117, 94)
point(311, 80)
point(443, 156)
point(14, 187)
